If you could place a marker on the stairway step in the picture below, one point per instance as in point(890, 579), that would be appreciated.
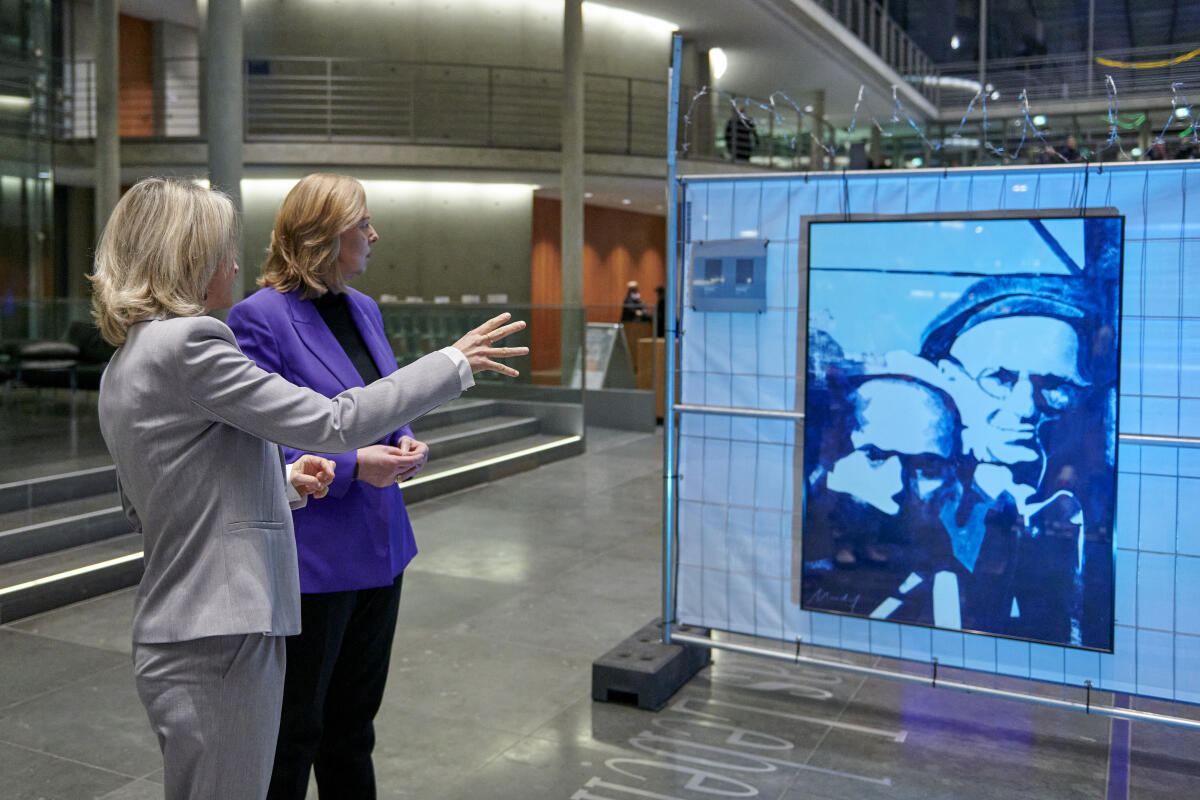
point(450, 440)
point(57, 526)
point(39, 584)
point(451, 473)
point(57, 487)
point(452, 413)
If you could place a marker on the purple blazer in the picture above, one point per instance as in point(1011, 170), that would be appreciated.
point(358, 536)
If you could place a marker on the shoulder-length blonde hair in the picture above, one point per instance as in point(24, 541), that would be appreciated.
point(304, 243)
point(159, 250)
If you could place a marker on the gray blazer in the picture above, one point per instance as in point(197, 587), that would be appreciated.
point(190, 423)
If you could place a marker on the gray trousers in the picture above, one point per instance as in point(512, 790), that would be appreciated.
point(214, 705)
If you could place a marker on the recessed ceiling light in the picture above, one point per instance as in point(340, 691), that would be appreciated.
point(588, 195)
point(626, 201)
point(718, 62)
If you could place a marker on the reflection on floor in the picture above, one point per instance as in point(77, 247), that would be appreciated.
point(520, 584)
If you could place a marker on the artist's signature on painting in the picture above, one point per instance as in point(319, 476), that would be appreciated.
point(846, 601)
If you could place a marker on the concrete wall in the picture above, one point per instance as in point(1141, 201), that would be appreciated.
point(517, 33)
point(434, 238)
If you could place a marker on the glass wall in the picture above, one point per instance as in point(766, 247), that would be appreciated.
point(26, 181)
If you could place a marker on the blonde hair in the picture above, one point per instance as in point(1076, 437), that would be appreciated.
point(304, 243)
point(159, 250)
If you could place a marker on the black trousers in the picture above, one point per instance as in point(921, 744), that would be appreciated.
point(336, 671)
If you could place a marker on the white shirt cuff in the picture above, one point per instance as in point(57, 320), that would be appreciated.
point(465, 377)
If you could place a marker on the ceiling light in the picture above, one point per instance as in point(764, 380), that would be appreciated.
point(626, 201)
point(1136, 152)
point(1039, 120)
point(954, 42)
point(15, 103)
point(588, 195)
point(1182, 112)
point(717, 63)
point(808, 109)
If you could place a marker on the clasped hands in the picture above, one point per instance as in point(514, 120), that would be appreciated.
point(382, 465)
point(379, 465)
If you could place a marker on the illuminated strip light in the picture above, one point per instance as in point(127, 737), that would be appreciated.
point(487, 462)
point(15, 103)
point(1166, 62)
point(62, 576)
point(945, 82)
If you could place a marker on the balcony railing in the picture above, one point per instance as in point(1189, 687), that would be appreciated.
point(869, 21)
point(1053, 79)
point(344, 99)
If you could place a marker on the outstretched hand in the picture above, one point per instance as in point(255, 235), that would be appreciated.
point(477, 345)
point(311, 475)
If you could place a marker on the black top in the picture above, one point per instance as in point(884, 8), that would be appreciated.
point(335, 310)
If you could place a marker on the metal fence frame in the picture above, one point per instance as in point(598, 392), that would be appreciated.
point(675, 243)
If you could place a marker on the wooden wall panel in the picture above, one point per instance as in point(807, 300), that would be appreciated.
point(618, 246)
point(136, 106)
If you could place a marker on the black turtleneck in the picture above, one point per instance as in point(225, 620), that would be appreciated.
point(334, 308)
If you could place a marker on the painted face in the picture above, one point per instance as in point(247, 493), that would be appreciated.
point(1017, 372)
point(354, 248)
point(219, 292)
point(904, 439)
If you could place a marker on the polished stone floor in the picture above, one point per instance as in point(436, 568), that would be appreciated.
point(520, 584)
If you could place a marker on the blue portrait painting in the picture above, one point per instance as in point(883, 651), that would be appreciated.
point(959, 465)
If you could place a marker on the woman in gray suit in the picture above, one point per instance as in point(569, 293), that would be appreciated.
point(193, 426)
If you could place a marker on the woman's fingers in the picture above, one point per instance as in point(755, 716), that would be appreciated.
point(499, 333)
point(492, 324)
point(506, 352)
point(503, 369)
point(478, 347)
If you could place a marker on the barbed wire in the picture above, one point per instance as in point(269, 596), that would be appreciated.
point(778, 104)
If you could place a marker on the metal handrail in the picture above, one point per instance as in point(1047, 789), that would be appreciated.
point(932, 681)
point(1074, 76)
point(311, 98)
point(870, 22)
point(797, 416)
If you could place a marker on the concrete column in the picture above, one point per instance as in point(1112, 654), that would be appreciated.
point(876, 149)
point(223, 120)
point(106, 71)
point(817, 154)
point(695, 74)
point(572, 180)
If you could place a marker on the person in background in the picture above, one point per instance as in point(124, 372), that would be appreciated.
point(190, 423)
point(632, 307)
point(660, 312)
point(741, 135)
point(309, 326)
point(1071, 151)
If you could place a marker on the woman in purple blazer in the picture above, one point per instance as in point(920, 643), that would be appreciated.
point(353, 545)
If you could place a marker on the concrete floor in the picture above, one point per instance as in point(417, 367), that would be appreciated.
point(520, 584)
